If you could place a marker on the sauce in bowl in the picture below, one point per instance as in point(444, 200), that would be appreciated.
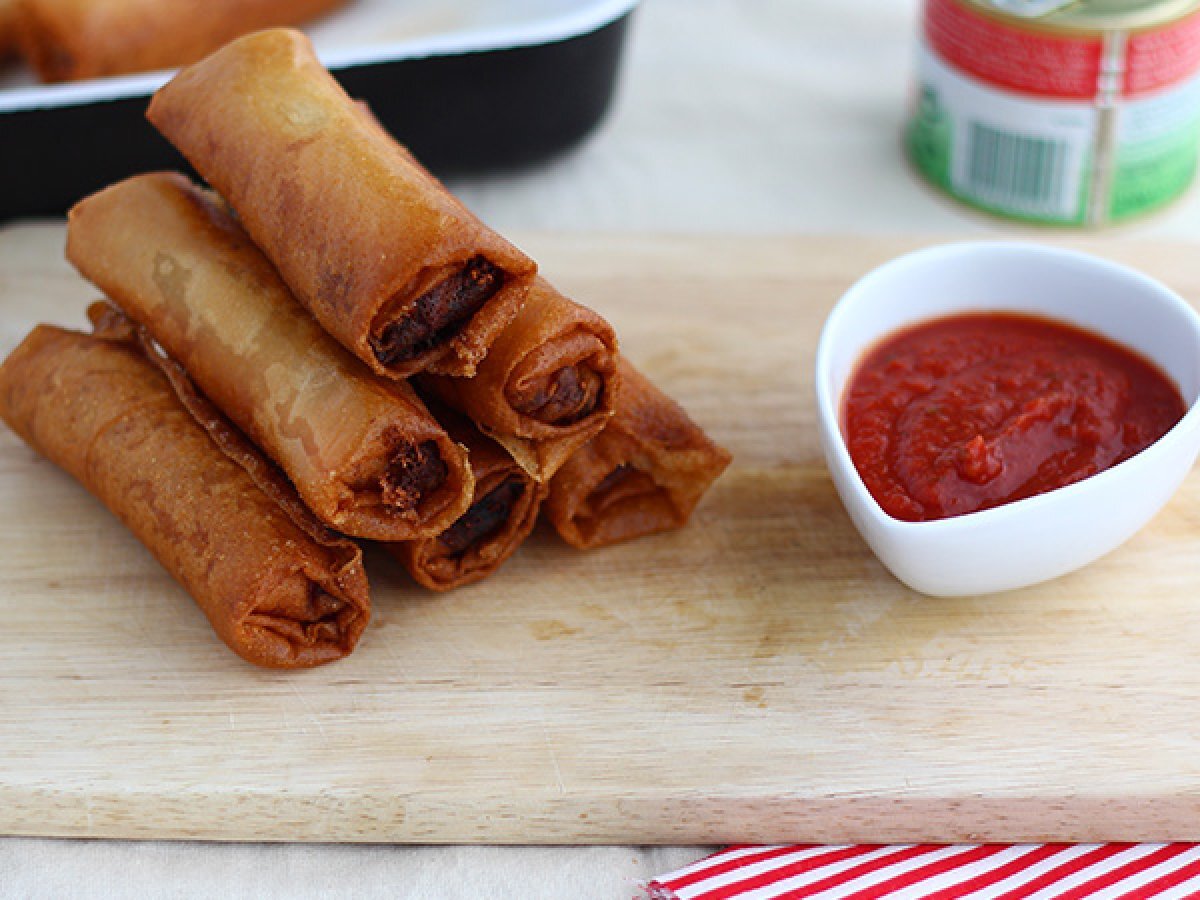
point(973, 411)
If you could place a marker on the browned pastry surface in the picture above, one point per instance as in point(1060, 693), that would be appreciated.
point(501, 516)
point(390, 263)
point(548, 384)
point(364, 452)
point(644, 473)
point(279, 589)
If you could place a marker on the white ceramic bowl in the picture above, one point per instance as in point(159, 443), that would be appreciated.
point(1031, 540)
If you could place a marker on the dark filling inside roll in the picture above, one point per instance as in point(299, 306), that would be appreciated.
point(414, 473)
point(439, 314)
point(484, 518)
point(564, 398)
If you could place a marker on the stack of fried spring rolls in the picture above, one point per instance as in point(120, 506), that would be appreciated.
point(177, 261)
point(533, 370)
point(277, 587)
point(364, 453)
point(423, 285)
point(389, 262)
point(67, 40)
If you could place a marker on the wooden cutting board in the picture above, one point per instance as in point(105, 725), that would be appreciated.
point(755, 677)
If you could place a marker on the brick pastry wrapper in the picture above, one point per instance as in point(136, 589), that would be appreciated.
point(547, 386)
point(385, 258)
point(503, 512)
point(277, 587)
point(644, 473)
point(67, 40)
point(363, 452)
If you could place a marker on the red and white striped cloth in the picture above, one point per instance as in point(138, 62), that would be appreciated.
point(932, 872)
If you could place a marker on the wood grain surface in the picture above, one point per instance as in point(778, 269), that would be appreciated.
point(755, 677)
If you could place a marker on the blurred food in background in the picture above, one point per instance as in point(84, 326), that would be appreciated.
point(470, 85)
point(8, 29)
point(67, 40)
point(1058, 112)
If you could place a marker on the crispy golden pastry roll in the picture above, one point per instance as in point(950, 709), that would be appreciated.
point(385, 258)
point(548, 384)
point(363, 452)
point(502, 514)
point(66, 40)
point(281, 592)
point(644, 473)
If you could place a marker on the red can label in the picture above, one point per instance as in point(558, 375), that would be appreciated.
point(1155, 59)
point(1010, 57)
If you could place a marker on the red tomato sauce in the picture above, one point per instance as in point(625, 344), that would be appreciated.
point(974, 411)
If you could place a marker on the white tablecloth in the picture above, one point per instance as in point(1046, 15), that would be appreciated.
point(748, 116)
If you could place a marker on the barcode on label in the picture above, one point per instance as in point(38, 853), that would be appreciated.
point(1016, 171)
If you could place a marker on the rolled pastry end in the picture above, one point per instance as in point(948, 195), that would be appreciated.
point(504, 508)
point(415, 488)
point(644, 473)
point(565, 381)
point(626, 502)
point(484, 518)
point(563, 391)
point(482, 539)
point(399, 337)
point(302, 619)
point(548, 384)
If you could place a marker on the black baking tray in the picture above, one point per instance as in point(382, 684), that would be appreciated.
point(482, 101)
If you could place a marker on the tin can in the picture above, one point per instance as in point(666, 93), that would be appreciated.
point(1058, 112)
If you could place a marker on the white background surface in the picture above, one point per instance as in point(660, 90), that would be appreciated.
point(749, 116)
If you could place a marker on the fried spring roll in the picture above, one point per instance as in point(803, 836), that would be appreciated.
point(364, 453)
point(390, 263)
point(502, 514)
point(280, 591)
point(66, 40)
point(548, 384)
point(644, 473)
